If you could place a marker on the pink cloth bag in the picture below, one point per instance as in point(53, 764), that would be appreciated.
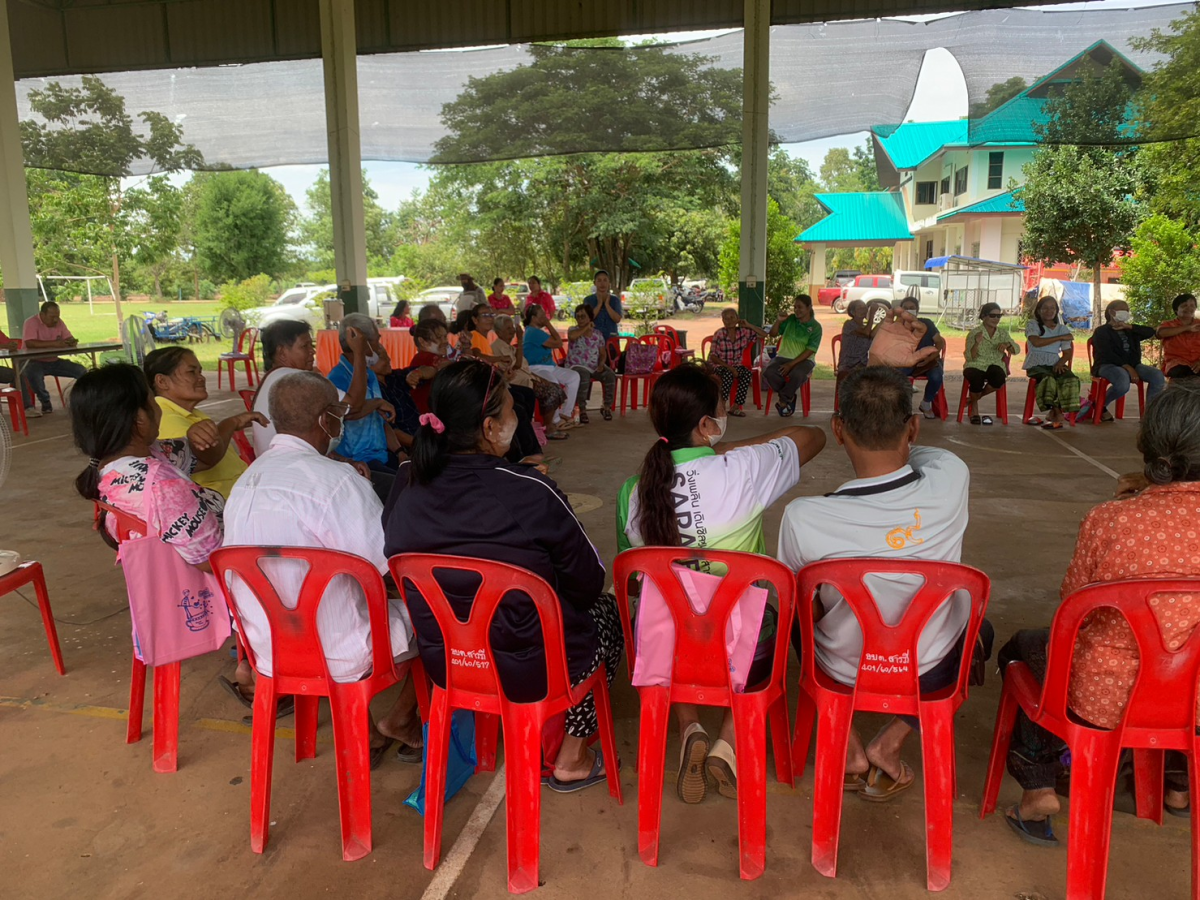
point(178, 610)
point(655, 628)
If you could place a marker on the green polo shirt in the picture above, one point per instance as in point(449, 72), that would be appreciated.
point(796, 337)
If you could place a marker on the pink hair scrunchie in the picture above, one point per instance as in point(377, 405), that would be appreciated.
point(433, 422)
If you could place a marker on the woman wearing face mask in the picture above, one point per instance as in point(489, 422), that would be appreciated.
point(1117, 357)
point(731, 485)
point(523, 519)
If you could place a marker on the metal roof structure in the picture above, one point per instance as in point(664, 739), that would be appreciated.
point(873, 218)
point(1001, 205)
point(910, 144)
point(61, 37)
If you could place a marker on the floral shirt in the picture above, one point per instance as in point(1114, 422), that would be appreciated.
point(992, 349)
point(585, 351)
point(189, 516)
point(1153, 535)
point(729, 348)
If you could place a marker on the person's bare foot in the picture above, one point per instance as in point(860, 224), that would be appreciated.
point(1177, 800)
point(406, 733)
point(884, 751)
point(856, 760)
point(575, 769)
point(1039, 804)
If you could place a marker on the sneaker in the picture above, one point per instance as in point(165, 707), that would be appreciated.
point(32, 412)
point(926, 406)
point(1106, 416)
point(691, 784)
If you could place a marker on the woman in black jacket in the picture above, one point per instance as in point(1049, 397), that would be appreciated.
point(459, 496)
point(1117, 356)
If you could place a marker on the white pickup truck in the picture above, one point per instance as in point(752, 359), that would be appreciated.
point(892, 287)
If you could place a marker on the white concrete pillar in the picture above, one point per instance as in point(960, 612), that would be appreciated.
point(16, 236)
point(991, 235)
point(339, 54)
point(816, 269)
point(756, 104)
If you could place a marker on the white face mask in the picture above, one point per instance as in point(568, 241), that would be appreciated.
point(714, 439)
point(1122, 315)
point(334, 439)
point(372, 359)
point(503, 440)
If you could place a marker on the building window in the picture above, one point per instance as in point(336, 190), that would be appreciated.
point(960, 181)
point(928, 250)
point(946, 185)
point(926, 192)
point(995, 171)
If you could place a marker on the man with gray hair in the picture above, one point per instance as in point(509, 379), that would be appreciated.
point(367, 437)
point(294, 495)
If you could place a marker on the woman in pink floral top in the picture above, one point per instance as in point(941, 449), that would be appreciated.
point(728, 354)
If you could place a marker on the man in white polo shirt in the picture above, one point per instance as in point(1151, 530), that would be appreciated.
point(906, 502)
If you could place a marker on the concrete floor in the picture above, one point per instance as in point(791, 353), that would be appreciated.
point(82, 814)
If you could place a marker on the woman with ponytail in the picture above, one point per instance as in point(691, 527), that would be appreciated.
point(513, 514)
point(1148, 531)
point(728, 487)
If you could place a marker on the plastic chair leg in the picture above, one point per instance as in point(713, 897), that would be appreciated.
point(1006, 720)
point(1194, 778)
point(416, 671)
point(137, 701)
point(781, 744)
point(1149, 768)
point(962, 403)
point(43, 597)
point(437, 748)
point(750, 725)
point(1093, 782)
point(624, 392)
point(1002, 403)
point(608, 735)
point(806, 716)
point(220, 366)
point(350, 705)
point(937, 757)
point(166, 717)
point(262, 759)
point(487, 736)
point(306, 727)
point(523, 805)
point(652, 755)
point(833, 737)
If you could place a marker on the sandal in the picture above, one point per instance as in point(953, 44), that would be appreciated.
point(284, 706)
point(691, 785)
point(1035, 831)
point(583, 417)
point(406, 753)
point(235, 689)
point(882, 787)
point(1181, 812)
point(1034, 420)
point(557, 436)
point(596, 776)
point(738, 413)
point(721, 767)
point(606, 414)
point(378, 752)
point(976, 420)
point(985, 420)
point(853, 782)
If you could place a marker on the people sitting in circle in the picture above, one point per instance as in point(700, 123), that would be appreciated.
point(905, 502)
point(293, 495)
point(931, 369)
point(1117, 356)
point(472, 328)
point(497, 299)
point(588, 355)
point(732, 485)
point(529, 391)
point(527, 522)
point(605, 304)
point(856, 338)
point(728, 356)
point(8, 376)
point(177, 379)
point(47, 330)
point(988, 348)
point(472, 294)
point(430, 336)
point(1162, 501)
point(115, 423)
point(799, 335)
point(400, 317)
point(1048, 363)
point(1180, 340)
point(538, 344)
point(368, 436)
point(540, 297)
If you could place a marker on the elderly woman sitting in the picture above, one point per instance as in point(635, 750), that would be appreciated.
point(588, 355)
point(1113, 544)
point(550, 396)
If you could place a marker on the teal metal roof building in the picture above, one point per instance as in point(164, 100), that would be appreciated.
point(860, 220)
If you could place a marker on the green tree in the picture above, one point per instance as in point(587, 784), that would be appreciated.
point(1165, 262)
point(87, 129)
point(997, 95)
point(1080, 188)
point(156, 216)
point(864, 164)
point(840, 173)
point(783, 261)
point(316, 229)
point(242, 226)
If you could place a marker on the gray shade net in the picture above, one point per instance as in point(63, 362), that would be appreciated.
point(521, 100)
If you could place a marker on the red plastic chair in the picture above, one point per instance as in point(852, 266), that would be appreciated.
point(748, 362)
point(645, 381)
point(166, 678)
point(31, 572)
point(886, 683)
point(805, 398)
point(1001, 395)
point(16, 410)
point(476, 687)
point(299, 668)
point(678, 353)
point(247, 395)
point(1160, 715)
point(701, 676)
point(941, 406)
point(245, 449)
point(1100, 390)
point(244, 355)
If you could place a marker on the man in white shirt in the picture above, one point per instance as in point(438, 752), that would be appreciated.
point(472, 294)
point(906, 502)
point(293, 495)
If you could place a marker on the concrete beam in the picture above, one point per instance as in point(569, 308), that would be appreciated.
point(16, 236)
point(756, 107)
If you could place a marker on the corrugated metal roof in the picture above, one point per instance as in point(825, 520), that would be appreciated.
point(873, 217)
point(1001, 204)
point(910, 144)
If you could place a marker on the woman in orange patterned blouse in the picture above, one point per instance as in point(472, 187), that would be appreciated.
point(1152, 530)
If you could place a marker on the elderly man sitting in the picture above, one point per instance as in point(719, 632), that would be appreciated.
point(48, 330)
point(295, 496)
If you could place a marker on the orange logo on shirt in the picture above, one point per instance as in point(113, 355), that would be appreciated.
point(898, 538)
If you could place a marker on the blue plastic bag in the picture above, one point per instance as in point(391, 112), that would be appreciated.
point(460, 758)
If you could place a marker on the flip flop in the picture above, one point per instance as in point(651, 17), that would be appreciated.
point(721, 766)
point(1033, 420)
point(985, 420)
point(378, 752)
point(284, 706)
point(557, 436)
point(606, 414)
point(235, 689)
point(738, 413)
point(406, 753)
point(1054, 426)
point(881, 787)
point(976, 420)
point(596, 776)
point(853, 782)
point(1038, 832)
point(1179, 812)
point(691, 785)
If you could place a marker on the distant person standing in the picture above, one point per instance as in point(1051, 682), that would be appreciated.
point(540, 297)
point(605, 305)
point(48, 330)
point(472, 294)
point(799, 340)
point(499, 300)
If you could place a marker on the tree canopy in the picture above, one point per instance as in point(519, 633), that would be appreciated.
point(997, 95)
point(242, 225)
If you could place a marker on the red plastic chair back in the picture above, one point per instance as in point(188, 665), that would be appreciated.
point(835, 346)
point(126, 524)
point(706, 347)
point(248, 395)
point(245, 449)
point(888, 667)
point(670, 334)
point(297, 659)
